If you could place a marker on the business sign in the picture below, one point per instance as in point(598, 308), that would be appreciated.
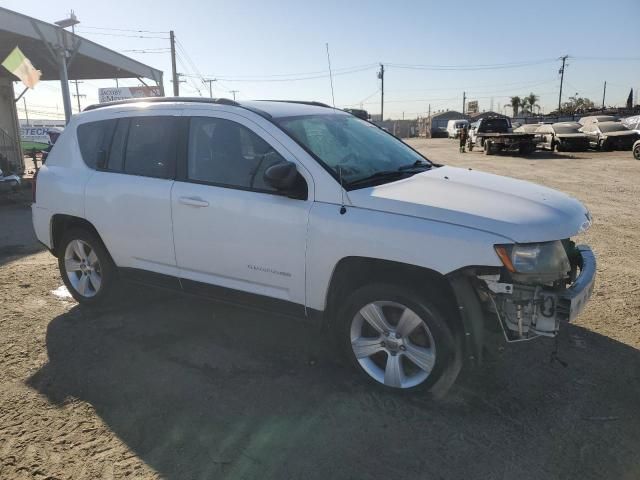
point(35, 134)
point(472, 106)
point(124, 93)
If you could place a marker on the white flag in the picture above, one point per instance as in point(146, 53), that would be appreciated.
point(22, 68)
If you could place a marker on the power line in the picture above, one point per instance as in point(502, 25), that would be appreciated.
point(123, 29)
point(152, 50)
point(300, 74)
point(268, 80)
point(488, 66)
point(121, 35)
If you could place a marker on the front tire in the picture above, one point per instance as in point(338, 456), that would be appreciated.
point(636, 151)
point(86, 267)
point(397, 338)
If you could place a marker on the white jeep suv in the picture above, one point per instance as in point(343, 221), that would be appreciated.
point(305, 210)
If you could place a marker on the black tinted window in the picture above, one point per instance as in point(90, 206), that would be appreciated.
point(226, 153)
point(151, 147)
point(93, 138)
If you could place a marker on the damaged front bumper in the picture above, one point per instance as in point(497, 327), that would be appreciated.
point(526, 311)
point(520, 311)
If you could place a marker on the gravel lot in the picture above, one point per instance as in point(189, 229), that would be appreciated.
point(164, 386)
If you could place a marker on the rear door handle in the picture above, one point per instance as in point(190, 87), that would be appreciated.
point(193, 202)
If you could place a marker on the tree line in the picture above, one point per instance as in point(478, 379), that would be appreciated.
point(526, 104)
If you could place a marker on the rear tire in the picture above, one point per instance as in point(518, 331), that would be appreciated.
point(488, 150)
point(398, 339)
point(86, 267)
point(636, 151)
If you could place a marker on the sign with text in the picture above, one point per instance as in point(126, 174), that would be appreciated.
point(472, 106)
point(124, 93)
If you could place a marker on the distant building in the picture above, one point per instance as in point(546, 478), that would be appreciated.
point(477, 116)
point(400, 128)
point(436, 124)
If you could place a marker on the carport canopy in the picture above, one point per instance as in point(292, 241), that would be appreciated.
point(58, 53)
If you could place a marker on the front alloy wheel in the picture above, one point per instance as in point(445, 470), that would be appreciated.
point(392, 344)
point(399, 338)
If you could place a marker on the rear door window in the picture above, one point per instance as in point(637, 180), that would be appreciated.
point(93, 138)
point(151, 147)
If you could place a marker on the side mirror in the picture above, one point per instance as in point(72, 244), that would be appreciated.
point(285, 178)
point(281, 176)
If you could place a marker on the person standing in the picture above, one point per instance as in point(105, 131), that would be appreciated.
point(464, 134)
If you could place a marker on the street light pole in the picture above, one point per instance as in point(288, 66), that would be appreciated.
point(62, 63)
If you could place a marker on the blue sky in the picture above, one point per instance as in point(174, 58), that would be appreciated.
point(249, 44)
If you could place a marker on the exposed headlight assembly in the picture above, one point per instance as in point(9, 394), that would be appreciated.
point(544, 261)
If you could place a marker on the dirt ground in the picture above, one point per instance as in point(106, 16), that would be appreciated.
point(163, 386)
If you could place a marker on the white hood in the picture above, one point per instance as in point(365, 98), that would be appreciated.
point(518, 210)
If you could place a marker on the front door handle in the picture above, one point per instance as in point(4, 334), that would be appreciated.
point(193, 202)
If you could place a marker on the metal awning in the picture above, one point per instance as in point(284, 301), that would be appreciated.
point(62, 55)
point(86, 60)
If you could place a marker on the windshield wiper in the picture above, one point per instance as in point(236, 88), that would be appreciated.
point(388, 174)
point(416, 164)
point(376, 176)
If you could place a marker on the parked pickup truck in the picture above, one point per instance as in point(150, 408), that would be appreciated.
point(494, 134)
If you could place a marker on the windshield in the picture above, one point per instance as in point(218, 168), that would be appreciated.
point(358, 148)
point(612, 127)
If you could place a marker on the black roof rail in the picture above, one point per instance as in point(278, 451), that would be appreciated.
point(301, 102)
point(217, 101)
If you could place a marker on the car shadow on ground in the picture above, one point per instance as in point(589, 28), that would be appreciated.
point(199, 390)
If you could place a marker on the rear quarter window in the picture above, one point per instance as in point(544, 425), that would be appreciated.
point(94, 137)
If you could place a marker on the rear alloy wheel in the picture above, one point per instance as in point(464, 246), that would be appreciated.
point(86, 268)
point(636, 151)
point(397, 338)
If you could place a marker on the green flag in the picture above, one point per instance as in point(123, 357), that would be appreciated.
point(22, 68)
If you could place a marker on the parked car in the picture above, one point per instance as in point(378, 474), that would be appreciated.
point(632, 123)
point(636, 150)
point(562, 136)
point(597, 119)
point(310, 212)
point(531, 128)
point(610, 135)
point(454, 127)
point(9, 182)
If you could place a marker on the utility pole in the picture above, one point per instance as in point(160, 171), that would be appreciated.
point(26, 113)
point(564, 59)
point(174, 73)
point(604, 93)
point(210, 81)
point(381, 77)
point(464, 101)
point(78, 95)
point(234, 94)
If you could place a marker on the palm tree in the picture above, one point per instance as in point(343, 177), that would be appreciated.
point(531, 101)
point(516, 103)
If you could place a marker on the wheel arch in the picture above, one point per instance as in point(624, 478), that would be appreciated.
point(61, 223)
point(353, 272)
